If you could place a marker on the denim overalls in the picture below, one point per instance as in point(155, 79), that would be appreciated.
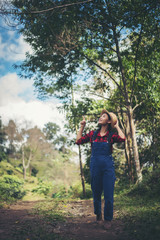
point(102, 177)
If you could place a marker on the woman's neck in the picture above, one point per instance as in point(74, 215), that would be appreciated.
point(103, 129)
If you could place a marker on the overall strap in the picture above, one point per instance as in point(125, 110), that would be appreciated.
point(95, 135)
point(110, 136)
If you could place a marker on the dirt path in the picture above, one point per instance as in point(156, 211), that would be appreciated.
point(17, 223)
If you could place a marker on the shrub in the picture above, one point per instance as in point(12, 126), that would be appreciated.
point(61, 193)
point(77, 192)
point(150, 184)
point(11, 187)
point(43, 188)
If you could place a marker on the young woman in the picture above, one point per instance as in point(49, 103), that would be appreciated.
point(102, 164)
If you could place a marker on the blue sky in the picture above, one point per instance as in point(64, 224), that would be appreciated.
point(17, 98)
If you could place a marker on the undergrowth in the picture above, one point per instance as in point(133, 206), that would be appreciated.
point(139, 208)
point(51, 210)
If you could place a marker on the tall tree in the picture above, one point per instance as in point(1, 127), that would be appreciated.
point(34, 148)
point(51, 130)
point(2, 142)
point(109, 36)
point(27, 153)
point(13, 136)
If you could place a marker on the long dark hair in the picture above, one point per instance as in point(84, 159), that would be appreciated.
point(109, 125)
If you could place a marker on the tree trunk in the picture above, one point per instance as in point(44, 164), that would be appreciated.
point(128, 152)
point(24, 173)
point(28, 164)
point(129, 108)
point(80, 155)
point(129, 161)
point(81, 172)
point(134, 145)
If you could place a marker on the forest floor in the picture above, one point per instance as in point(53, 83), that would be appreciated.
point(71, 219)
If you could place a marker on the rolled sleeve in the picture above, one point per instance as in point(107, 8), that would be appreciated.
point(116, 139)
point(85, 139)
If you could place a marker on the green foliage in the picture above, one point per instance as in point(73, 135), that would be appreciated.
point(2, 142)
point(47, 162)
point(118, 35)
point(7, 168)
point(74, 191)
point(51, 210)
point(51, 130)
point(117, 41)
point(11, 187)
point(2, 154)
point(149, 186)
point(61, 193)
point(43, 187)
point(34, 171)
point(140, 213)
point(86, 169)
point(77, 192)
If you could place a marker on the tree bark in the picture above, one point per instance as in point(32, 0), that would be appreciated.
point(24, 173)
point(81, 172)
point(28, 164)
point(128, 152)
point(80, 155)
point(134, 145)
point(129, 108)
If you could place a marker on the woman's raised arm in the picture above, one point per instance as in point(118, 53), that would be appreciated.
point(79, 134)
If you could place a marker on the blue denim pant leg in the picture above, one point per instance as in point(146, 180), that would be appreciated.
point(108, 187)
point(97, 188)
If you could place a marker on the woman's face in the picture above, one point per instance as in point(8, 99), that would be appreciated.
point(104, 119)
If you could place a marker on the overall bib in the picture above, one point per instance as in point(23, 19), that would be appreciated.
point(102, 177)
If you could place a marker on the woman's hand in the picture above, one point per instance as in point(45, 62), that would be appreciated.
point(117, 124)
point(79, 134)
point(120, 133)
point(83, 122)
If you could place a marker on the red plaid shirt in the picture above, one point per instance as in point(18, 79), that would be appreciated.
point(89, 138)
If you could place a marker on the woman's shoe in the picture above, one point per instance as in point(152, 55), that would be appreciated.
point(107, 224)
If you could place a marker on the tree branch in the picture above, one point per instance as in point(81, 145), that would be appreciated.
point(135, 64)
point(118, 149)
point(104, 70)
point(66, 5)
point(119, 116)
point(108, 99)
point(137, 105)
point(15, 12)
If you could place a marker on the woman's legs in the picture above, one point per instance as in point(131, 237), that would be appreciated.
point(97, 188)
point(108, 186)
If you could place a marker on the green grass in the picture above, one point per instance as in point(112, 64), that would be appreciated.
point(141, 215)
point(52, 210)
point(138, 207)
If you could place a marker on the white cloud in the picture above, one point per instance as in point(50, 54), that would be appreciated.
point(11, 86)
point(17, 100)
point(36, 113)
point(13, 49)
point(18, 103)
